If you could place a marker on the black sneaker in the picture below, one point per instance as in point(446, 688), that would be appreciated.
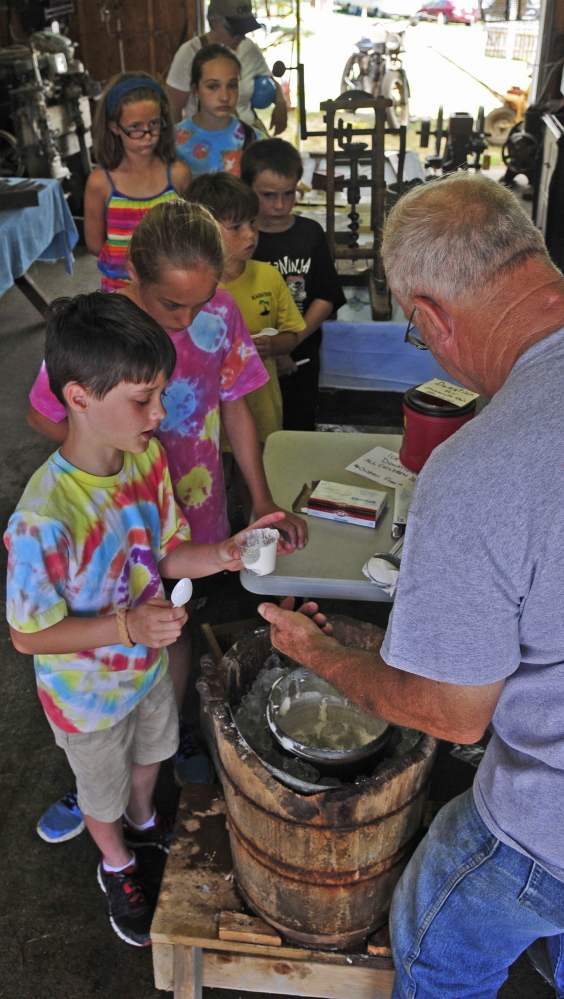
point(131, 910)
point(191, 764)
point(158, 835)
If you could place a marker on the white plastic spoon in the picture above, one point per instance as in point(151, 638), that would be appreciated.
point(268, 331)
point(181, 592)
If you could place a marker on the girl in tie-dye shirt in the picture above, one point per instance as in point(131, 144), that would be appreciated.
point(176, 261)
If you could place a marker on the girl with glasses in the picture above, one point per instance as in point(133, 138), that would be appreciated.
point(137, 168)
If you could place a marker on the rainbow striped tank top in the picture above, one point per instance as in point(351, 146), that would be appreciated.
point(122, 215)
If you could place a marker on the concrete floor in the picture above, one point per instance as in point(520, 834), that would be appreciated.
point(57, 942)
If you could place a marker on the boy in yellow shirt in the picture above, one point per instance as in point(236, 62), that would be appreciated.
point(259, 290)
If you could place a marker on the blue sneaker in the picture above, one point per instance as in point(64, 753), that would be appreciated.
point(61, 821)
point(191, 764)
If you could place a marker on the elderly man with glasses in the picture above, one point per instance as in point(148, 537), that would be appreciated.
point(476, 636)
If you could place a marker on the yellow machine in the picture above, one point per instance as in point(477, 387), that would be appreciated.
point(501, 120)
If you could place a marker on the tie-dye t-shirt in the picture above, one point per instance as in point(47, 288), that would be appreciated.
point(84, 546)
point(216, 361)
point(210, 152)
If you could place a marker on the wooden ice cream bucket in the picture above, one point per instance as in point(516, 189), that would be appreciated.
point(321, 868)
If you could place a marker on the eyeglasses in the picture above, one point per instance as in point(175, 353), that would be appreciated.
point(139, 133)
point(413, 338)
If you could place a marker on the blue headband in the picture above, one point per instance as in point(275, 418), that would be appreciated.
point(119, 90)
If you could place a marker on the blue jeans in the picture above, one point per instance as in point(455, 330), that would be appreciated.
point(466, 906)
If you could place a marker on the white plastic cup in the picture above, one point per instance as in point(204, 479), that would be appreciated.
point(258, 549)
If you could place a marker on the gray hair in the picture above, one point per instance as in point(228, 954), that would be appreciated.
point(448, 239)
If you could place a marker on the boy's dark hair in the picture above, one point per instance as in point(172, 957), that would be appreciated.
point(225, 196)
point(271, 154)
point(206, 54)
point(101, 340)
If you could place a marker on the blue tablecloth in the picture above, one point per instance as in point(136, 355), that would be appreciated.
point(44, 232)
point(373, 356)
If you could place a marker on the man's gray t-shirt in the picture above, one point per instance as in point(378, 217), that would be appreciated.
point(481, 593)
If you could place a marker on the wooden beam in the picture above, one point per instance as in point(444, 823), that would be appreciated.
point(294, 978)
point(248, 929)
point(187, 973)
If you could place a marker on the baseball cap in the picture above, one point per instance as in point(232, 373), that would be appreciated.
point(238, 14)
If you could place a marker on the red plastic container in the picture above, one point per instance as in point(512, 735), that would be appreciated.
point(428, 421)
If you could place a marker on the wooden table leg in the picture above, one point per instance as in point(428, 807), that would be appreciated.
point(33, 293)
point(187, 972)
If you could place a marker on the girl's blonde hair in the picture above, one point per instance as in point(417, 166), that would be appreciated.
point(179, 234)
point(108, 147)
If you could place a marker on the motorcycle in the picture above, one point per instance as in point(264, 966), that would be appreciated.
point(376, 68)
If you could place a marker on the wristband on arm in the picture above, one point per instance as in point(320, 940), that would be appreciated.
point(123, 633)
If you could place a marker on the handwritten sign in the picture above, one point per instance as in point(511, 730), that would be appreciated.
point(447, 391)
point(382, 466)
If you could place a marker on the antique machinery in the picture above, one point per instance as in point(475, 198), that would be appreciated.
point(352, 152)
point(499, 121)
point(522, 148)
point(462, 140)
point(45, 113)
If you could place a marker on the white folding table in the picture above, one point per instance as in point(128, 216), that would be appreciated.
point(331, 564)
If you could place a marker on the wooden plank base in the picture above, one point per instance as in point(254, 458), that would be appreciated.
point(251, 929)
point(198, 887)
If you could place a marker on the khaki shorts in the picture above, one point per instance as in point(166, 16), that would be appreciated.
point(101, 761)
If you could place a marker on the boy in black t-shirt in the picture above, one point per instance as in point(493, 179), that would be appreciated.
point(297, 247)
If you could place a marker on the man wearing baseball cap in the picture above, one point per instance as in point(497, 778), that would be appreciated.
point(229, 22)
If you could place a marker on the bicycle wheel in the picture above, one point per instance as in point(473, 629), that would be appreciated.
point(396, 87)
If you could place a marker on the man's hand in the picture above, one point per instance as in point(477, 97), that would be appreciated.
point(155, 623)
point(292, 525)
point(296, 634)
point(310, 609)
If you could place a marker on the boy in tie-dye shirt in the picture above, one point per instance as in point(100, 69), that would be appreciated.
point(94, 530)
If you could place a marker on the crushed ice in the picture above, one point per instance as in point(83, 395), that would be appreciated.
point(250, 718)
